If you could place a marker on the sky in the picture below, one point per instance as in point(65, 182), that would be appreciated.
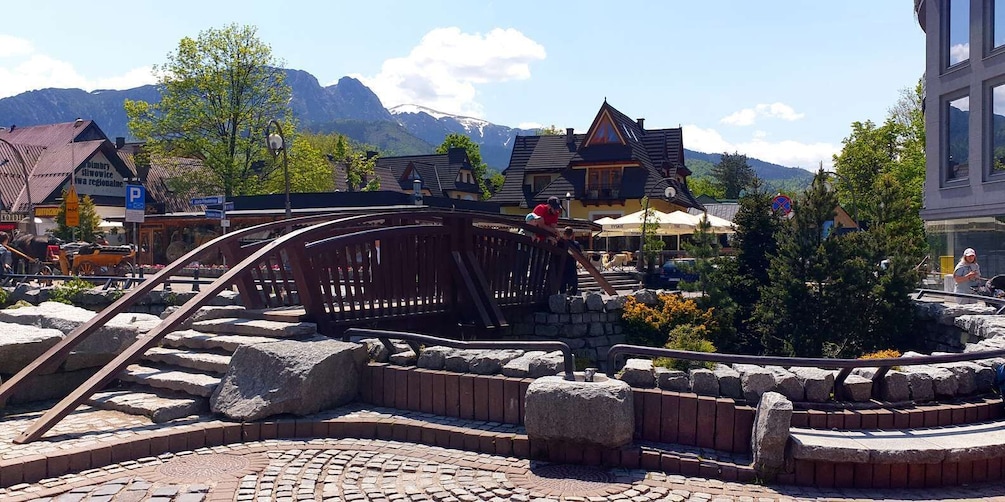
point(777, 80)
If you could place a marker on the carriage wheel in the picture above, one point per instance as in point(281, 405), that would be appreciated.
point(85, 268)
point(43, 271)
point(125, 269)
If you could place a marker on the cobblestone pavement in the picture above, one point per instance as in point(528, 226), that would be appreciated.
point(335, 470)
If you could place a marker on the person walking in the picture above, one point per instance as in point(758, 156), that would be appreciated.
point(967, 274)
point(6, 257)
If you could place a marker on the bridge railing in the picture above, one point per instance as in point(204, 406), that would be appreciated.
point(882, 365)
point(416, 341)
point(1000, 302)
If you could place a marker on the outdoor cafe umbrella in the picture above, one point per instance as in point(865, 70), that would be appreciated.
point(718, 225)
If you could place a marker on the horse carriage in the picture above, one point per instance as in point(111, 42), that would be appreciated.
point(40, 255)
point(82, 258)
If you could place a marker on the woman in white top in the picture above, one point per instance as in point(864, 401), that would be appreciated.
point(967, 273)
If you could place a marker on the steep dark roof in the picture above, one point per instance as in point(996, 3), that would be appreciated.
point(656, 154)
point(438, 172)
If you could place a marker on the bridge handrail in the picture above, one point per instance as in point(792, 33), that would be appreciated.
point(58, 352)
point(921, 292)
point(569, 361)
point(883, 365)
point(152, 337)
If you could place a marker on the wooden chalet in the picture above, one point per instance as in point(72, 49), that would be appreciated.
point(53, 156)
point(605, 172)
point(447, 175)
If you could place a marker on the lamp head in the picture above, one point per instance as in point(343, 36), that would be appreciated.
point(275, 142)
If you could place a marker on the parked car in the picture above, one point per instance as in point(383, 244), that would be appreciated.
point(677, 270)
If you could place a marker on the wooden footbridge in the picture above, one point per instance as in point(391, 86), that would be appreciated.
point(426, 267)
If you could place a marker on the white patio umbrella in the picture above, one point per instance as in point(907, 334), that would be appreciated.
point(719, 225)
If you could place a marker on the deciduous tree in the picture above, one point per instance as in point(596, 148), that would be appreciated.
point(454, 140)
point(89, 221)
point(218, 93)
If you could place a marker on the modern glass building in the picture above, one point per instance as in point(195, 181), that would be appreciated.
point(964, 197)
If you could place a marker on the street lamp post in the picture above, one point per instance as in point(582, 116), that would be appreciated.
point(568, 205)
point(27, 187)
point(851, 188)
point(668, 193)
point(277, 142)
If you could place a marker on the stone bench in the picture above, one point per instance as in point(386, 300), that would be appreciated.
point(915, 458)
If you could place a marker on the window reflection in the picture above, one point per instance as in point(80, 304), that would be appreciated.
point(998, 129)
point(959, 31)
point(958, 115)
point(998, 23)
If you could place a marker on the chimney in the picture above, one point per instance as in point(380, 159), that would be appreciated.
point(120, 141)
point(569, 134)
point(76, 123)
point(12, 126)
point(371, 154)
point(641, 121)
point(456, 155)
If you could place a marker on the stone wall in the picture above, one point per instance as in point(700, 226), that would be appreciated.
point(95, 299)
point(589, 324)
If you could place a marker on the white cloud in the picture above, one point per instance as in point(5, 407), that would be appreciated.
point(959, 53)
point(787, 152)
point(22, 69)
point(530, 125)
point(443, 71)
point(13, 46)
point(748, 116)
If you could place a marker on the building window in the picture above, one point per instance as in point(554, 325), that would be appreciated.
point(958, 41)
point(540, 182)
point(958, 136)
point(997, 23)
point(604, 183)
point(997, 131)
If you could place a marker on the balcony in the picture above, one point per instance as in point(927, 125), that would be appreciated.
point(602, 194)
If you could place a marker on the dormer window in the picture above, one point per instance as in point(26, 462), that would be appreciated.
point(605, 132)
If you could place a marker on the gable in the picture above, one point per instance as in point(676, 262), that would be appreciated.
point(604, 131)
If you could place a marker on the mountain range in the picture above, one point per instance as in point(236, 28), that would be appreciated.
point(347, 107)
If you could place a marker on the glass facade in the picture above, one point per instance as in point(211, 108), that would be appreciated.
point(958, 138)
point(958, 41)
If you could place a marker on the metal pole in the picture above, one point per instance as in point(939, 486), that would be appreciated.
point(286, 162)
point(640, 263)
point(27, 187)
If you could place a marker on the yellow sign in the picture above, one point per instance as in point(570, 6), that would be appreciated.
point(72, 208)
point(46, 211)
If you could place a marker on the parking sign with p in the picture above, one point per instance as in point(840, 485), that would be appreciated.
point(136, 203)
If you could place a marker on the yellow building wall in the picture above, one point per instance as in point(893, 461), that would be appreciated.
point(586, 212)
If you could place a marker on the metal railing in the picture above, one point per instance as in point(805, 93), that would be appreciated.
point(920, 293)
point(883, 365)
point(415, 339)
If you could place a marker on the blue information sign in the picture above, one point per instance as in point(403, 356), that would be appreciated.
point(136, 203)
point(207, 201)
point(215, 214)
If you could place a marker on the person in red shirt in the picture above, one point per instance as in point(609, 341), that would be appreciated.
point(549, 213)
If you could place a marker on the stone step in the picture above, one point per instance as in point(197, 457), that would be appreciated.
point(187, 358)
point(171, 378)
point(256, 327)
point(192, 339)
point(160, 407)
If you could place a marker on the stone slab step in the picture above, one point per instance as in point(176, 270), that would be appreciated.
point(256, 327)
point(159, 407)
point(193, 339)
point(929, 445)
point(200, 361)
point(171, 378)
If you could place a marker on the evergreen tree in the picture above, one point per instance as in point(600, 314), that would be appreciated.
point(89, 221)
point(733, 174)
point(742, 277)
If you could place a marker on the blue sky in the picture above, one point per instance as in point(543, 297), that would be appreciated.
point(778, 80)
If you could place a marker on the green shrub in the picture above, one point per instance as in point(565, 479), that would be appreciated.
point(69, 290)
point(4, 296)
point(691, 338)
point(20, 303)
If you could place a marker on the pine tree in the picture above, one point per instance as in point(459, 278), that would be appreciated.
point(757, 227)
point(89, 221)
